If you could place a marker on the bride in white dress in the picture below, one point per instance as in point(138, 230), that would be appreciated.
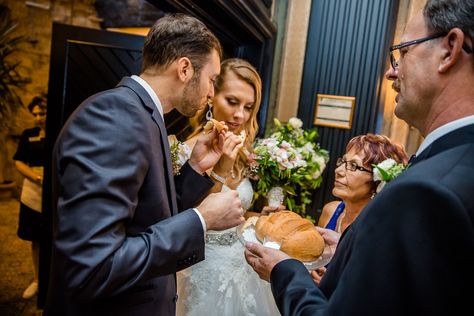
point(224, 284)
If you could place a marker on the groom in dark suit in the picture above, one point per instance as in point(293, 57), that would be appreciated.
point(123, 224)
point(411, 252)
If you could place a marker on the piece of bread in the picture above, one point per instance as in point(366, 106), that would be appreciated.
point(297, 236)
point(214, 123)
point(249, 222)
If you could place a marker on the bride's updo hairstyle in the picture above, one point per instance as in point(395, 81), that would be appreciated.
point(246, 72)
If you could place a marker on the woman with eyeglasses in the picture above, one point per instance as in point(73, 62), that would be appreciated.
point(354, 184)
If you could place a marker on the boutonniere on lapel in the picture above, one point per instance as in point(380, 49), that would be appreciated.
point(180, 153)
point(386, 171)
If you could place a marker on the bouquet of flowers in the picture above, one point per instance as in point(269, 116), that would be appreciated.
point(291, 159)
point(386, 171)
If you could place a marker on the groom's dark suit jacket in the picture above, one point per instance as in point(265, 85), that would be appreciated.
point(118, 237)
point(410, 252)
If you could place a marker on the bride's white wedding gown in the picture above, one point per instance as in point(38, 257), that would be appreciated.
point(224, 284)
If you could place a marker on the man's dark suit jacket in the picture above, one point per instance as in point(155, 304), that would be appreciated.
point(410, 252)
point(118, 237)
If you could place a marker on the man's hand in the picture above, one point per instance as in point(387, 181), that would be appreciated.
point(222, 210)
point(330, 236)
point(317, 274)
point(207, 151)
point(263, 259)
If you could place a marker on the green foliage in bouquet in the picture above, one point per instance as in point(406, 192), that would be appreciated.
point(292, 159)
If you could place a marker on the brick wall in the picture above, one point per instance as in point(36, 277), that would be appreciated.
point(35, 19)
point(35, 24)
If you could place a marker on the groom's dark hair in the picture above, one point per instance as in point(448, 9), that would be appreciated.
point(175, 36)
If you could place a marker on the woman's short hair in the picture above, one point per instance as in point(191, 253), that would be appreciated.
point(377, 148)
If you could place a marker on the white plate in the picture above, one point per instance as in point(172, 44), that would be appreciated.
point(248, 235)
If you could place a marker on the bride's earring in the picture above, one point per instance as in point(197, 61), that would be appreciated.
point(209, 115)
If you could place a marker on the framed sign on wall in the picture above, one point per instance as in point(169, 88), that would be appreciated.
point(334, 111)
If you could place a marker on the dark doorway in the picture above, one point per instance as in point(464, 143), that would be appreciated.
point(83, 62)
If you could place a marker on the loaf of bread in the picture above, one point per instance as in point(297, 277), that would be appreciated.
point(297, 236)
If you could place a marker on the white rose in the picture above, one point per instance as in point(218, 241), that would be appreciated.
point(316, 174)
point(387, 164)
point(377, 176)
point(295, 122)
point(320, 161)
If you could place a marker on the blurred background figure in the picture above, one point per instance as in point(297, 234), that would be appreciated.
point(29, 160)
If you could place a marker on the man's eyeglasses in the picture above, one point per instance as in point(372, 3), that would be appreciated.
point(395, 49)
point(350, 165)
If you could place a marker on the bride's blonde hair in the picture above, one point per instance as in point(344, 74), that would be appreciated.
point(246, 72)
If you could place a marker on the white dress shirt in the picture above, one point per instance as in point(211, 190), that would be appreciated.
point(443, 130)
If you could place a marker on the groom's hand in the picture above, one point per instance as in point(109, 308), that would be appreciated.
point(263, 259)
point(222, 210)
point(207, 151)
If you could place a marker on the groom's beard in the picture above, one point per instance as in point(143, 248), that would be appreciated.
point(190, 103)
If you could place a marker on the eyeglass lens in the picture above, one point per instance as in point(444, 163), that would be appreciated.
point(349, 165)
point(395, 57)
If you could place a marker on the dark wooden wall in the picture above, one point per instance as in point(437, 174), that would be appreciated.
point(347, 55)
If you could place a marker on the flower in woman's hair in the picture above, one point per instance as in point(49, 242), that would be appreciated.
point(180, 153)
point(386, 171)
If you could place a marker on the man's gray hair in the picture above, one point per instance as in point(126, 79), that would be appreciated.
point(443, 15)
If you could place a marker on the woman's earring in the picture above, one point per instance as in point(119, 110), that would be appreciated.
point(373, 195)
point(209, 115)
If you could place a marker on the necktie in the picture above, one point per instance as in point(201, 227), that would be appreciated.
point(412, 158)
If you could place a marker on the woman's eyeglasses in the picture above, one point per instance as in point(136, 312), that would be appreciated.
point(350, 165)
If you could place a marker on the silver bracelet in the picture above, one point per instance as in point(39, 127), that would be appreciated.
point(218, 177)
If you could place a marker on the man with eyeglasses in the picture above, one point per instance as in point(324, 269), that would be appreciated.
point(412, 250)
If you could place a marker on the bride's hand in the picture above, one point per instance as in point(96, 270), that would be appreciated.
point(272, 209)
point(230, 150)
point(317, 274)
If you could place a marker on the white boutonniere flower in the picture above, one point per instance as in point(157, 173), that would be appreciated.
point(386, 171)
point(180, 153)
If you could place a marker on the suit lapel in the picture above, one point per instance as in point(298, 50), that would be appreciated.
point(169, 164)
point(156, 116)
point(453, 139)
